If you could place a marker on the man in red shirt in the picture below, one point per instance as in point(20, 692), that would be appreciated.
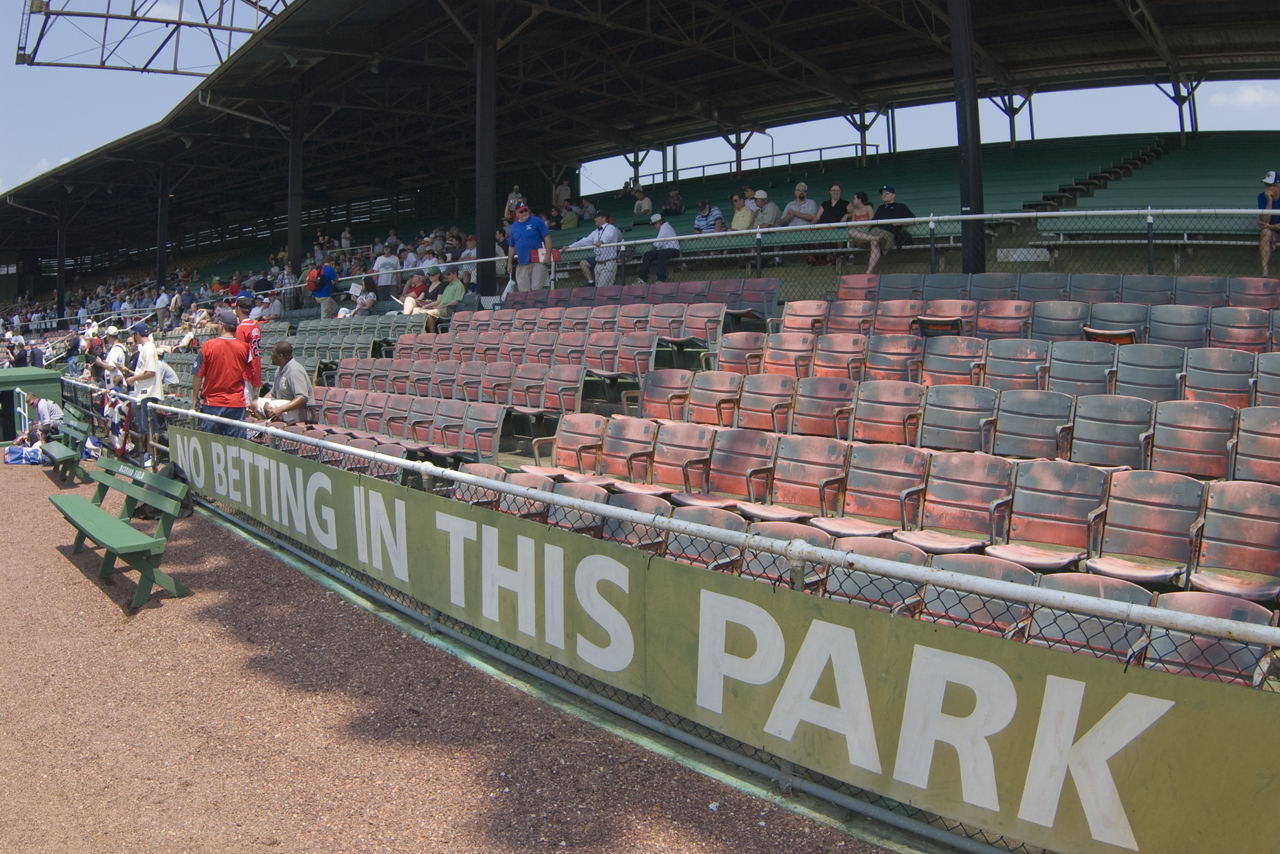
point(250, 334)
point(218, 383)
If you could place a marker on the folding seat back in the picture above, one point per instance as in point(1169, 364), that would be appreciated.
point(703, 323)
point(1030, 424)
point(1015, 364)
point(840, 355)
point(759, 298)
point(898, 316)
point(805, 315)
point(894, 357)
point(495, 386)
point(346, 375)
point(395, 418)
point(1219, 376)
point(1043, 287)
point(1071, 631)
point(420, 379)
point(527, 388)
point(851, 316)
point(398, 374)
point(879, 477)
point(503, 320)
point(676, 445)
point(1178, 325)
point(634, 317)
point(447, 427)
point(516, 299)
point(527, 320)
point(1240, 328)
point(1267, 388)
point(601, 352)
point(1120, 317)
point(766, 402)
point(856, 286)
point(690, 293)
point(475, 494)
point(878, 592)
point(609, 295)
point(1153, 290)
point(713, 399)
point(574, 448)
point(668, 320)
point(571, 348)
point(945, 286)
point(646, 538)
point(460, 321)
point(1059, 321)
point(900, 286)
point(808, 474)
point(576, 318)
point(512, 346)
point(582, 297)
point(1239, 541)
point(1049, 516)
point(636, 355)
point(823, 406)
point(887, 411)
point(404, 346)
point(1254, 293)
point(604, 318)
point(1109, 430)
point(1192, 437)
point(351, 408)
point(740, 464)
point(564, 388)
point(464, 346)
point(940, 310)
point(1216, 659)
point(950, 607)
point(480, 321)
point(952, 360)
point(558, 297)
point(727, 292)
point(663, 394)
point(954, 415)
point(423, 344)
point(1081, 367)
point(740, 352)
point(627, 449)
point(550, 319)
point(489, 346)
point(636, 293)
point(709, 554)
point(541, 347)
point(1255, 452)
point(961, 493)
point(1144, 536)
point(993, 286)
point(1208, 291)
point(790, 353)
point(371, 416)
point(661, 293)
point(999, 319)
point(444, 378)
point(517, 505)
point(775, 569)
point(573, 519)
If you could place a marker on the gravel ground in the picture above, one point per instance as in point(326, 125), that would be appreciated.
point(263, 712)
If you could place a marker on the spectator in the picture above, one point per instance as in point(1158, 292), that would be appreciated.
point(514, 199)
point(73, 348)
point(469, 254)
point(743, 217)
point(603, 268)
point(161, 306)
point(768, 215)
point(217, 384)
point(644, 207)
point(553, 219)
point(146, 381)
point(882, 239)
point(801, 212)
point(563, 193)
point(442, 307)
point(290, 400)
point(664, 249)
point(248, 332)
point(529, 234)
point(588, 209)
point(568, 217)
point(48, 416)
point(1270, 225)
point(255, 314)
point(346, 239)
point(388, 269)
point(113, 363)
point(673, 206)
point(324, 291)
point(835, 209)
point(708, 221)
point(749, 198)
point(275, 308)
point(366, 301)
point(35, 355)
point(263, 282)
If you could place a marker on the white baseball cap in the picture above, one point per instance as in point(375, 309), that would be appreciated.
point(113, 332)
point(1271, 178)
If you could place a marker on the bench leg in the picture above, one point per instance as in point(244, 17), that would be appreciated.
point(108, 564)
point(78, 545)
point(150, 574)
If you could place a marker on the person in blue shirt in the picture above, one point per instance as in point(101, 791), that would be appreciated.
point(324, 293)
point(1269, 199)
point(529, 233)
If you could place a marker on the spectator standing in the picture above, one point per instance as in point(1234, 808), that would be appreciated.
point(663, 250)
point(603, 268)
point(563, 193)
point(708, 221)
point(469, 255)
point(514, 199)
point(529, 234)
point(250, 334)
point(644, 206)
point(1269, 199)
point(113, 362)
point(346, 239)
point(801, 212)
point(324, 291)
point(768, 216)
point(73, 347)
point(291, 392)
point(161, 306)
point(388, 269)
point(744, 218)
point(146, 381)
point(217, 383)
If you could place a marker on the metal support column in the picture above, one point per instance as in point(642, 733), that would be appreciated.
point(486, 145)
point(969, 134)
point(60, 292)
point(162, 224)
point(297, 136)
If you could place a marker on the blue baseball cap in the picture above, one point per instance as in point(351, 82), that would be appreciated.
point(888, 188)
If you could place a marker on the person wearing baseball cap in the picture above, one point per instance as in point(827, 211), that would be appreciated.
point(882, 239)
point(1269, 224)
point(146, 380)
point(602, 269)
point(801, 212)
point(114, 362)
point(529, 235)
point(664, 248)
point(218, 376)
point(250, 334)
point(768, 215)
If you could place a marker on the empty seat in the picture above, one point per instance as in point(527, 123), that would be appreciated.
point(898, 316)
point(713, 399)
point(893, 357)
point(496, 386)
point(608, 295)
point(541, 347)
point(1043, 287)
point(1048, 528)
point(1144, 534)
point(444, 378)
point(956, 507)
point(579, 521)
point(625, 453)
point(840, 355)
point(526, 320)
point(479, 496)
point(582, 296)
point(999, 319)
point(887, 411)
point(954, 415)
point(946, 286)
point(550, 319)
point(1071, 631)
point(634, 318)
point(1239, 541)
point(1153, 290)
point(1240, 328)
point(950, 607)
point(856, 286)
point(871, 590)
point(993, 286)
point(900, 286)
point(1150, 371)
point(872, 502)
point(662, 394)
point(808, 315)
point(1255, 452)
point(765, 402)
point(661, 293)
point(1203, 656)
point(635, 293)
point(467, 384)
point(1081, 367)
point(705, 553)
point(1267, 387)
point(1119, 317)
point(851, 316)
point(1208, 291)
point(1095, 287)
point(572, 449)
point(404, 345)
point(636, 535)
point(557, 298)
point(1178, 325)
point(949, 313)
point(1192, 437)
point(562, 391)
point(739, 352)
point(667, 320)
point(677, 444)
point(789, 353)
point(739, 469)
point(571, 348)
point(512, 347)
point(759, 299)
point(1059, 321)
point(727, 292)
point(604, 318)
point(1031, 424)
point(527, 389)
point(1254, 293)
point(823, 406)
point(760, 565)
point(1110, 430)
point(703, 323)
point(1219, 376)
point(808, 480)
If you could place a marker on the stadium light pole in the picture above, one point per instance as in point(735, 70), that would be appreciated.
point(973, 249)
point(486, 44)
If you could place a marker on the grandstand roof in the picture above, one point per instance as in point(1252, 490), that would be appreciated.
point(391, 90)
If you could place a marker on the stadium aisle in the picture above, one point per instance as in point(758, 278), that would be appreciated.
point(263, 711)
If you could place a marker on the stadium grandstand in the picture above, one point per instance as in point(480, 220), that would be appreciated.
point(917, 505)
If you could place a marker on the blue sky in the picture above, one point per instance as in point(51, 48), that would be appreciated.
point(52, 115)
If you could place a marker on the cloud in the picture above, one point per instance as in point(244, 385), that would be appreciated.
point(1249, 97)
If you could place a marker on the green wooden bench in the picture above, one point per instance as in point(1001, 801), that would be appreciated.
point(66, 453)
point(115, 535)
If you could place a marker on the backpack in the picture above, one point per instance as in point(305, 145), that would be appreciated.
point(314, 278)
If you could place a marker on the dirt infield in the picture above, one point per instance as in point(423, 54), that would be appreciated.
point(263, 712)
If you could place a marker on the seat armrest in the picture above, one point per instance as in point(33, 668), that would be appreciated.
point(902, 504)
point(991, 518)
point(1097, 519)
point(632, 396)
point(595, 448)
point(767, 473)
point(705, 464)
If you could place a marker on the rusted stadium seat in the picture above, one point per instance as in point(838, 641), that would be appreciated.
point(663, 394)
point(572, 449)
point(950, 607)
point(708, 554)
point(840, 355)
point(806, 315)
point(879, 592)
point(957, 506)
point(625, 453)
point(879, 477)
point(1215, 375)
point(1050, 512)
point(894, 357)
point(789, 353)
point(1149, 289)
point(952, 360)
point(1070, 631)
point(808, 480)
point(1216, 659)
point(766, 402)
point(739, 352)
point(1144, 534)
point(775, 569)
point(887, 411)
point(1030, 424)
point(1043, 287)
point(1208, 291)
point(646, 538)
point(1015, 364)
point(740, 468)
point(1150, 371)
point(1059, 320)
point(1108, 431)
point(1081, 367)
point(1001, 319)
point(851, 316)
point(677, 444)
point(954, 415)
point(713, 398)
point(823, 406)
point(897, 316)
point(1239, 541)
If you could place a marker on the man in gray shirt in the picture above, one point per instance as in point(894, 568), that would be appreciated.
point(291, 391)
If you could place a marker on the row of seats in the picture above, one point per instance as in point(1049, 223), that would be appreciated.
point(532, 389)
point(1148, 646)
point(1207, 291)
point(746, 297)
point(676, 322)
point(383, 327)
point(1046, 515)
